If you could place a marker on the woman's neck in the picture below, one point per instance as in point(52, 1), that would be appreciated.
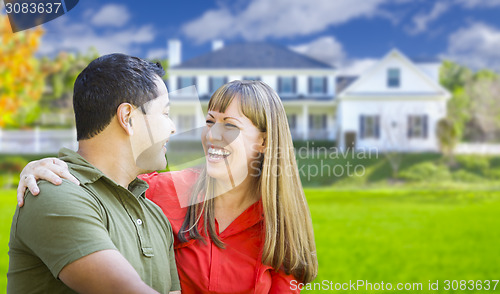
point(240, 197)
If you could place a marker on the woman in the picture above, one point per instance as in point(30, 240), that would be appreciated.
point(245, 227)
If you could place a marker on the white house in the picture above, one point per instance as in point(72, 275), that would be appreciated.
point(393, 106)
point(306, 86)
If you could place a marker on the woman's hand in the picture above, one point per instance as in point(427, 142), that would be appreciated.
point(49, 169)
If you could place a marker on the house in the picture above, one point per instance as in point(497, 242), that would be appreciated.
point(305, 85)
point(393, 106)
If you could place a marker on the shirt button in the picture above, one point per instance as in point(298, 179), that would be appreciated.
point(139, 221)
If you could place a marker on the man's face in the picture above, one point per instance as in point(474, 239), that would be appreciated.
point(151, 131)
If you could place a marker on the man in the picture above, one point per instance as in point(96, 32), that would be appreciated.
point(102, 236)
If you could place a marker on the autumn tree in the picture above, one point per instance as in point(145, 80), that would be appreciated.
point(21, 80)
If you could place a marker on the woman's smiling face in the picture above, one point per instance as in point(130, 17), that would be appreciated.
point(232, 145)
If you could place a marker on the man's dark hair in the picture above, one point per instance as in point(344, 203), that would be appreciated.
point(107, 82)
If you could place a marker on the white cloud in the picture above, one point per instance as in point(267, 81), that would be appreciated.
point(111, 15)
point(160, 53)
point(475, 46)
point(279, 19)
point(77, 37)
point(326, 49)
point(331, 51)
point(422, 20)
point(478, 3)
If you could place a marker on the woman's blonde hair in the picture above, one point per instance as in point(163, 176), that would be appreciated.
point(289, 238)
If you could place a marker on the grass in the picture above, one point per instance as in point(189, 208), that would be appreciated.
point(7, 208)
point(403, 235)
point(395, 235)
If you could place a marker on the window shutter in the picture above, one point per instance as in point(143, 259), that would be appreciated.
point(325, 85)
point(362, 126)
point(425, 125)
point(311, 121)
point(211, 84)
point(225, 80)
point(280, 86)
point(194, 81)
point(178, 83)
point(310, 84)
point(324, 121)
point(409, 129)
point(377, 126)
point(294, 85)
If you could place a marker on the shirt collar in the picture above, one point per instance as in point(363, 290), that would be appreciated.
point(86, 173)
point(250, 217)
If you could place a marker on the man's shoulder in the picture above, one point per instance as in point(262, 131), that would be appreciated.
point(66, 195)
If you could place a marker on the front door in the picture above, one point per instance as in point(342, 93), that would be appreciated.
point(350, 140)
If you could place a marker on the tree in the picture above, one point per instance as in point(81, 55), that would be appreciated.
point(454, 77)
point(22, 81)
point(61, 73)
point(484, 88)
point(447, 137)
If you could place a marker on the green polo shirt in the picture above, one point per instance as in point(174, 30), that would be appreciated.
point(67, 222)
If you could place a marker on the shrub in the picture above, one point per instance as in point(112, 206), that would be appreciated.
point(425, 171)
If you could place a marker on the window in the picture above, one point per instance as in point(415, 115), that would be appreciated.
point(317, 122)
point(317, 85)
point(183, 82)
point(286, 85)
point(393, 77)
point(216, 83)
point(292, 121)
point(369, 126)
point(417, 126)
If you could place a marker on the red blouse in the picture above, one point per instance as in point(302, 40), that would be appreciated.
point(206, 268)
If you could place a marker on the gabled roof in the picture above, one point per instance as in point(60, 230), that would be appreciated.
point(253, 55)
point(394, 52)
point(344, 82)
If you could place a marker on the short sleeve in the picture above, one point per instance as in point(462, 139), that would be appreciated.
point(62, 224)
point(283, 283)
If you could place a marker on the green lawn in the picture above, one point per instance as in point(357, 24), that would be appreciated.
point(7, 208)
point(401, 236)
point(391, 235)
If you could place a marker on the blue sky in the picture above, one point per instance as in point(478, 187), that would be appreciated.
point(350, 34)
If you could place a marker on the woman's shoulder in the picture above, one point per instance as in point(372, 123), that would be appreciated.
point(170, 191)
point(169, 182)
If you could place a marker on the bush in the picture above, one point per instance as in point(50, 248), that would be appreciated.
point(467, 177)
point(425, 171)
point(9, 167)
point(474, 164)
point(12, 164)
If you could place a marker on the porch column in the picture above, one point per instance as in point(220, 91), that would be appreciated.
point(199, 118)
point(305, 121)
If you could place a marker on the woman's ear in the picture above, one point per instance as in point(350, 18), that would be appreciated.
point(262, 146)
point(124, 117)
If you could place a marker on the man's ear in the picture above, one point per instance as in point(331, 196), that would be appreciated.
point(124, 115)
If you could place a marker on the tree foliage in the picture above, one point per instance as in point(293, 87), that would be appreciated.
point(21, 80)
point(61, 73)
point(473, 112)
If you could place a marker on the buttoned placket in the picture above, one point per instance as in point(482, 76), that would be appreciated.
point(137, 216)
point(214, 263)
